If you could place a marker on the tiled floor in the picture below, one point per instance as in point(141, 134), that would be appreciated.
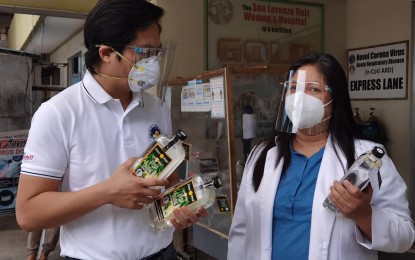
point(13, 243)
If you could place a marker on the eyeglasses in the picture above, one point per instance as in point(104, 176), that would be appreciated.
point(143, 53)
point(140, 53)
point(311, 87)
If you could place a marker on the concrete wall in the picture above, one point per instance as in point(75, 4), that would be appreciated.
point(390, 21)
point(185, 23)
point(15, 94)
point(70, 48)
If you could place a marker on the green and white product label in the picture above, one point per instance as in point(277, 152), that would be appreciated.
point(183, 195)
point(153, 163)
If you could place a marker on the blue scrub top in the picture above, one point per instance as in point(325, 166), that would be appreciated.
point(293, 205)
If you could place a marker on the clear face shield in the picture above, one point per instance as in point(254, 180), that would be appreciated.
point(165, 65)
point(152, 67)
point(305, 104)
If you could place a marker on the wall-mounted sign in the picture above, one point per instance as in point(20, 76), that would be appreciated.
point(247, 32)
point(378, 72)
point(11, 154)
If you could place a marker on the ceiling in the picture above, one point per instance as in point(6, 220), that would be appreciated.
point(51, 34)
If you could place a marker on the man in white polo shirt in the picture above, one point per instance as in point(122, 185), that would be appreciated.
point(80, 142)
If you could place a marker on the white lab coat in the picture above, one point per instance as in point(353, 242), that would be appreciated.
point(331, 238)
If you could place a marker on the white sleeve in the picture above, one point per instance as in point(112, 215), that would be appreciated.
point(236, 242)
point(46, 152)
point(239, 244)
point(392, 227)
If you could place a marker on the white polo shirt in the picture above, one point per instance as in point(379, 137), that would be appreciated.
point(80, 137)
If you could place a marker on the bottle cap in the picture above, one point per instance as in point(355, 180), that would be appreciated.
point(217, 182)
point(378, 152)
point(181, 135)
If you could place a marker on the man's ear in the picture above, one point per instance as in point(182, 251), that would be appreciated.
point(105, 53)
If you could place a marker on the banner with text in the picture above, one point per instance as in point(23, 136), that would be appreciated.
point(11, 154)
point(378, 72)
point(246, 32)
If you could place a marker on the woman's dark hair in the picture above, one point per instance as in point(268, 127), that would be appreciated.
point(342, 127)
point(115, 23)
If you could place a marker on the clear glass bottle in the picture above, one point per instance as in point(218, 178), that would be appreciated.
point(161, 158)
point(360, 173)
point(194, 192)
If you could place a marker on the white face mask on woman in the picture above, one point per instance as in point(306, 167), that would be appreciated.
point(304, 111)
point(144, 74)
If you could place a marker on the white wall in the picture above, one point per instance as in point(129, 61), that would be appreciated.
point(70, 48)
point(61, 55)
point(335, 24)
point(373, 22)
point(185, 23)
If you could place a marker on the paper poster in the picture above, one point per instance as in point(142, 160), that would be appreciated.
point(11, 155)
point(218, 97)
point(196, 98)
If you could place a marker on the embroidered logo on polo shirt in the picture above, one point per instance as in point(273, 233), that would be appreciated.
point(153, 132)
point(28, 157)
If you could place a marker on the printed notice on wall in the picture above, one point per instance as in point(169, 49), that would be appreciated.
point(196, 98)
point(378, 72)
point(218, 97)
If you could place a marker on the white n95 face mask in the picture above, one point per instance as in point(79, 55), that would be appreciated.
point(144, 74)
point(304, 111)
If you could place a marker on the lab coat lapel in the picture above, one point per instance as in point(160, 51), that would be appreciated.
point(322, 221)
point(268, 188)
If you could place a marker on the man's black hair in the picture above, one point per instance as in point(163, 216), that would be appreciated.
point(115, 23)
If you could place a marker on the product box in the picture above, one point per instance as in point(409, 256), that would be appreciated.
point(11, 155)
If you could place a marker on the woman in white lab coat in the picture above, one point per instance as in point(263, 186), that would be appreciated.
point(279, 212)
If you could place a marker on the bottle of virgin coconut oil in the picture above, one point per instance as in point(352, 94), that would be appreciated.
point(194, 192)
point(161, 158)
